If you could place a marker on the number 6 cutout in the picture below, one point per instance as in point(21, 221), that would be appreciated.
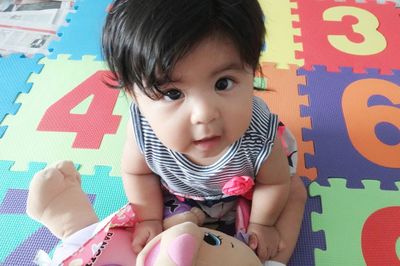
point(361, 119)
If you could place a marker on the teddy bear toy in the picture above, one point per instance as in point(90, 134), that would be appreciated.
point(57, 200)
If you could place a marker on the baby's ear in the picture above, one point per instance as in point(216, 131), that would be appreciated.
point(176, 246)
point(130, 93)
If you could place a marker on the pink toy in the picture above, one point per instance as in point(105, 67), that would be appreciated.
point(56, 200)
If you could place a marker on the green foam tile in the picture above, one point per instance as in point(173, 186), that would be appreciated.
point(344, 212)
point(25, 143)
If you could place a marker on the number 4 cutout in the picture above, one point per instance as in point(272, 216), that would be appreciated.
point(95, 123)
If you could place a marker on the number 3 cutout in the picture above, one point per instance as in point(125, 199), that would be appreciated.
point(374, 42)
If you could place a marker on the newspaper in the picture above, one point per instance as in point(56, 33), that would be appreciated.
point(28, 26)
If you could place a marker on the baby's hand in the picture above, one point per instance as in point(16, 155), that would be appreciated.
point(264, 240)
point(144, 232)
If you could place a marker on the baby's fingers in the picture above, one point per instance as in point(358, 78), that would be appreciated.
point(260, 250)
point(253, 241)
point(272, 251)
point(281, 245)
point(263, 253)
point(139, 241)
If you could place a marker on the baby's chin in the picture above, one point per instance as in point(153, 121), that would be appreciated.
point(203, 158)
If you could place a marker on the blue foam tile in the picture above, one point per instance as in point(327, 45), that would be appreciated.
point(82, 35)
point(24, 236)
point(14, 72)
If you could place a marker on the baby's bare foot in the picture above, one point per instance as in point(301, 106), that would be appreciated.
point(194, 215)
point(57, 200)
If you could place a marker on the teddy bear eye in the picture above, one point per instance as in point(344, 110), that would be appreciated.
point(212, 239)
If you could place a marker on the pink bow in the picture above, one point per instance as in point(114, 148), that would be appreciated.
point(239, 185)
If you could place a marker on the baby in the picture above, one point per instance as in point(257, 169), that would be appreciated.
point(195, 125)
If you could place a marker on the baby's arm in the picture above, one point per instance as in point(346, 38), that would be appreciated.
point(143, 191)
point(269, 199)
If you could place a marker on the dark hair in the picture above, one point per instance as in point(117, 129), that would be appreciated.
point(143, 39)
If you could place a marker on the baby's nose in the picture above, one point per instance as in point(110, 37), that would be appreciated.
point(204, 111)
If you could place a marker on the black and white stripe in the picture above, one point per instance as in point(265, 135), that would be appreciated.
point(187, 179)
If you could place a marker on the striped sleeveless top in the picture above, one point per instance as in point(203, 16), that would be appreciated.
point(186, 179)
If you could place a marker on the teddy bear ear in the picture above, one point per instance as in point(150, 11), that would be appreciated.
point(183, 249)
point(148, 255)
point(177, 246)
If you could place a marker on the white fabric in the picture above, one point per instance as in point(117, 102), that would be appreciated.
point(273, 263)
point(71, 244)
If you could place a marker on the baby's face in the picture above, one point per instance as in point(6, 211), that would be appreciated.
point(208, 105)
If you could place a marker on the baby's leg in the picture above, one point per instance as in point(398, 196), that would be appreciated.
point(289, 222)
point(176, 212)
point(57, 200)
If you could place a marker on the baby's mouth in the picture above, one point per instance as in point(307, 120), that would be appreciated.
point(207, 139)
point(208, 142)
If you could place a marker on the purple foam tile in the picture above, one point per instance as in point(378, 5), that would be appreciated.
point(14, 202)
point(24, 254)
point(308, 240)
point(13, 197)
point(334, 154)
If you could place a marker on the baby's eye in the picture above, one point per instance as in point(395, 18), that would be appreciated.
point(172, 94)
point(212, 239)
point(223, 84)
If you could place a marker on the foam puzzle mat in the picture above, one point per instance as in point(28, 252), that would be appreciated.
point(332, 70)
